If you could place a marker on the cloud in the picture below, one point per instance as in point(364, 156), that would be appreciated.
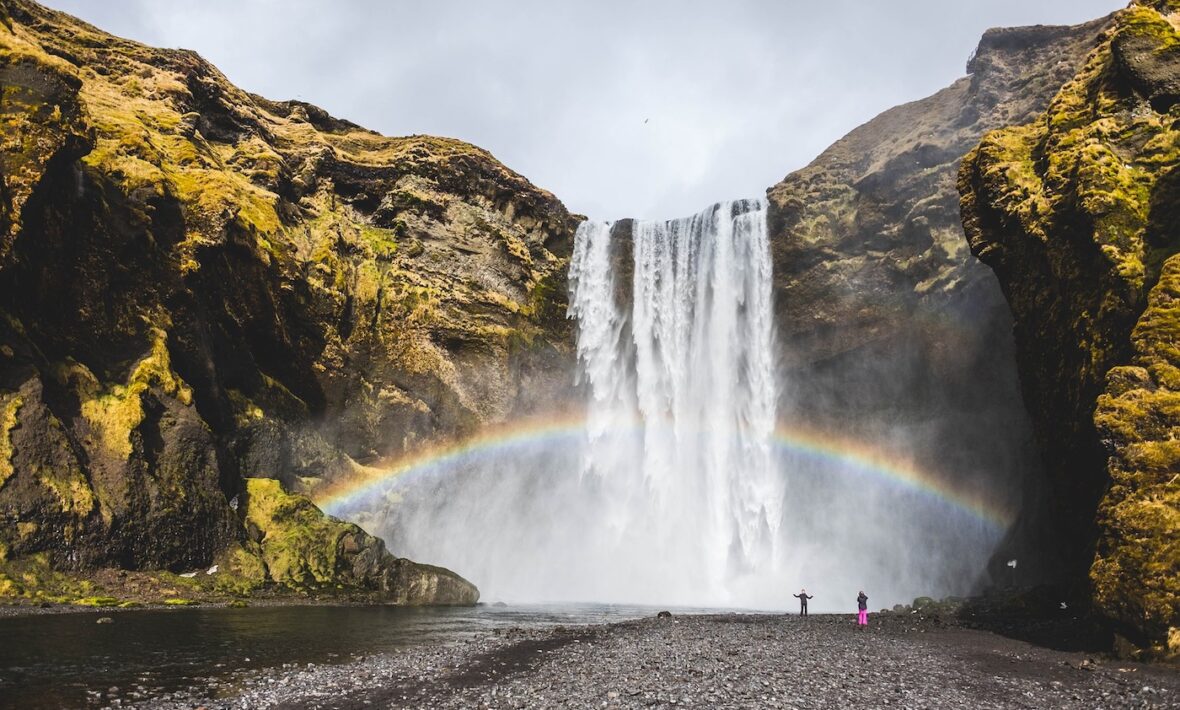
point(650, 109)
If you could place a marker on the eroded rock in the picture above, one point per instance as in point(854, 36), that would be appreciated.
point(198, 285)
point(1076, 214)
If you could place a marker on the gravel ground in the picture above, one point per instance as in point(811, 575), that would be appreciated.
point(731, 661)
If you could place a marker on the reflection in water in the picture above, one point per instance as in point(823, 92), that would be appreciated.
point(67, 660)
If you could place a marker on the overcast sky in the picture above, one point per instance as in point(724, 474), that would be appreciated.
point(644, 109)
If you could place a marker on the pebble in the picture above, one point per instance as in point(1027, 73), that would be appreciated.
point(724, 662)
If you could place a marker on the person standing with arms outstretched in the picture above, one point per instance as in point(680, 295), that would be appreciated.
point(862, 606)
point(803, 596)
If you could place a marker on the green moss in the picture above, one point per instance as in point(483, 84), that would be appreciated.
point(257, 160)
point(1008, 160)
point(117, 412)
point(368, 282)
point(210, 192)
point(9, 410)
point(180, 601)
point(1134, 573)
point(241, 570)
point(343, 242)
point(140, 141)
point(546, 300)
point(217, 160)
point(383, 242)
point(1142, 21)
point(97, 601)
point(299, 544)
point(1074, 198)
point(31, 578)
point(246, 412)
point(415, 200)
point(71, 488)
point(1090, 153)
point(32, 126)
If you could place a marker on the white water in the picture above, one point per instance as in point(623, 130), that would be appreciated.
point(681, 403)
point(673, 494)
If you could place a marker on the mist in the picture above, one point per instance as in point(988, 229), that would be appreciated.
point(692, 473)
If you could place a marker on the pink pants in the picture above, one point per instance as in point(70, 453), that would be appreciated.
point(862, 617)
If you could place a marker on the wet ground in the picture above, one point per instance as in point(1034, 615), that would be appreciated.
point(716, 661)
point(55, 657)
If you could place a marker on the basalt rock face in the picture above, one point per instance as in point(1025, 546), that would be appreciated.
point(890, 327)
point(200, 286)
point(301, 548)
point(1078, 214)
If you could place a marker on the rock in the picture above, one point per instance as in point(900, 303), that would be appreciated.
point(885, 316)
point(664, 615)
point(1076, 213)
point(283, 295)
point(688, 662)
point(413, 583)
point(105, 620)
point(304, 549)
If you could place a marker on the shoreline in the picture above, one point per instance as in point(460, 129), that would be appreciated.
point(714, 660)
point(9, 611)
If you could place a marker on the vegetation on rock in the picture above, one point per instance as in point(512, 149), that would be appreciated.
point(890, 327)
point(1077, 214)
point(199, 287)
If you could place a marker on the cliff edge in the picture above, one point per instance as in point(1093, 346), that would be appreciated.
point(200, 287)
point(1078, 214)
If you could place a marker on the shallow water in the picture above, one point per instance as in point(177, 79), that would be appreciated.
point(69, 660)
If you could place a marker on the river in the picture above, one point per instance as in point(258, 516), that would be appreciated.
point(70, 660)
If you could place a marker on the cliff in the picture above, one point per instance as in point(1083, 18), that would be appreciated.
point(1077, 213)
point(890, 328)
point(200, 287)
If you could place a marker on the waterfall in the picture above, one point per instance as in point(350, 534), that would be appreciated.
point(678, 366)
point(674, 488)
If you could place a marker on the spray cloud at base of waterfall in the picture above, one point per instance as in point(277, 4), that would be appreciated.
point(671, 486)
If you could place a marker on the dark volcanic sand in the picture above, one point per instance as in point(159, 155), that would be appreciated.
point(726, 661)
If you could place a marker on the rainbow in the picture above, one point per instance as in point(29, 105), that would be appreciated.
point(852, 457)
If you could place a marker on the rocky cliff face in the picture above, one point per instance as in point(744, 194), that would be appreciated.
point(890, 327)
point(200, 287)
point(1077, 213)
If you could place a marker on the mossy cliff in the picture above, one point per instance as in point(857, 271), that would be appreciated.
point(289, 546)
point(1078, 214)
point(890, 327)
point(199, 287)
point(302, 548)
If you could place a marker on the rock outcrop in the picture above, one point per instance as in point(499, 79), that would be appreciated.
point(200, 287)
point(301, 548)
point(1078, 214)
point(890, 327)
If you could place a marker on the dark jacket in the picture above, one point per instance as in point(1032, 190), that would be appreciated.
point(803, 597)
point(862, 601)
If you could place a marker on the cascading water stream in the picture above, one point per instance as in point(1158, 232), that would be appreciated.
point(674, 486)
point(682, 398)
